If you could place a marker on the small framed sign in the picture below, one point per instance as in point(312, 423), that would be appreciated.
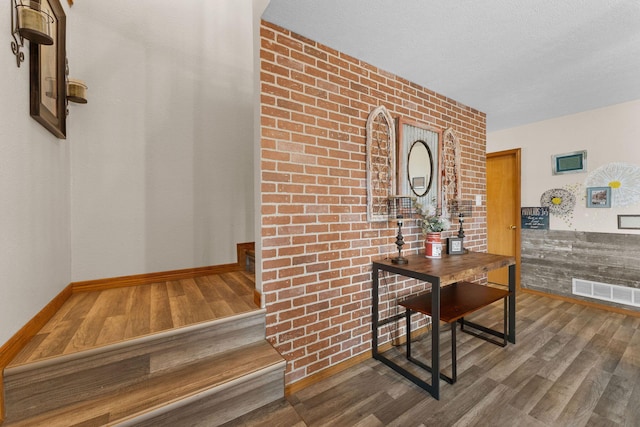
point(574, 162)
point(598, 197)
point(455, 245)
point(629, 222)
point(534, 218)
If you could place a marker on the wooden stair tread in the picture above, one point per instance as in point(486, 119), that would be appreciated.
point(94, 319)
point(164, 388)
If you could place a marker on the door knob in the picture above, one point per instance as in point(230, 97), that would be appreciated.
point(512, 227)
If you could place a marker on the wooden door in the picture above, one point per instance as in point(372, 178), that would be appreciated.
point(503, 210)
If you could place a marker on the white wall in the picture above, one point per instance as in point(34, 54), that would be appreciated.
point(162, 158)
point(157, 171)
point(258, 8)
point(609, 135)
point(35, 262)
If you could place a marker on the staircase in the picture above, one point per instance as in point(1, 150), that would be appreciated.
point(202, 374)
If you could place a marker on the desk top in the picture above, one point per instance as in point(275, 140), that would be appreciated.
point(449, 268)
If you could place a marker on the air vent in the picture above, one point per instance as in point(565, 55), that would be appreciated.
point(606, 292)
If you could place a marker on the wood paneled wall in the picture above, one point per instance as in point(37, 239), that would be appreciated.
point(551, 258)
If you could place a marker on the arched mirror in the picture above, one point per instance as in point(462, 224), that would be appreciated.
point(420, 168)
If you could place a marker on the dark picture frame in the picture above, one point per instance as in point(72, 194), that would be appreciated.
point(455, 245)
point(574, 162)
point(629, 222)
point(47, 74)
point(598, 197)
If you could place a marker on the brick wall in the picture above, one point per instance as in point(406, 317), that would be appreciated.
point(317, 245)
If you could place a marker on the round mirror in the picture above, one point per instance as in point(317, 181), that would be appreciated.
point(420, 168)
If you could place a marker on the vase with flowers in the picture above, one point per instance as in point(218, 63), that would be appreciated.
point(432, 225)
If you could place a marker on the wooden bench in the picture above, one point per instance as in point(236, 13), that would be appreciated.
point(457, 301)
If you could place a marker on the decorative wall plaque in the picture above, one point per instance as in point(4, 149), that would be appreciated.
point(381, 139)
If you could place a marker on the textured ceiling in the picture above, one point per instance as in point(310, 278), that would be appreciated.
point(519, 61)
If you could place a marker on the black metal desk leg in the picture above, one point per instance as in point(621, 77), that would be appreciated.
point(454, 356)
point(408, 317)
point(512, 303)
point(435, 338)
point(374, 312)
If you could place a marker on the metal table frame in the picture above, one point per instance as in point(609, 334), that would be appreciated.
point(439, 272)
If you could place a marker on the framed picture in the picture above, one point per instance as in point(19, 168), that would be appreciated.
point(47, 74)
point(598, 197)
point(629, 222)
point(418, 182)
point(574, 162)
point(455, 245)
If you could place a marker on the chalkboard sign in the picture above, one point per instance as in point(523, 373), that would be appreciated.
point(535, 218)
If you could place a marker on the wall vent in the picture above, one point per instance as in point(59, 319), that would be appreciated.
point(606, 292)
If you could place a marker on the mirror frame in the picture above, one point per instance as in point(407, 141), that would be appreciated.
point(404, 145)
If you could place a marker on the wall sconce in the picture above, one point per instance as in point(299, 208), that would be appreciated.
point(29, 22)
point(76, 91)
point(400, 209)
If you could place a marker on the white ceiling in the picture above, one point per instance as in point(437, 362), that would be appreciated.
point(519, 61)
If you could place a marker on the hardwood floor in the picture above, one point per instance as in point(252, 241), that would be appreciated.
point(571, 366)
point(91, 319)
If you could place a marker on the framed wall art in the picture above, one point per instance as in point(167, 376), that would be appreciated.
point(574, 162)
point(47, 74)
point(629, 222)
point(419, 166)
point(598, 197)
point(381, 163)
point(455, 245)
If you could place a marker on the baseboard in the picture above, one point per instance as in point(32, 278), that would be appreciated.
point(326, 373)
point(20, 339)
point(147, 278)
point(618, 310)
point(257, 298)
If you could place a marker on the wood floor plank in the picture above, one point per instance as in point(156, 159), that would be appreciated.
point(632, 412)
point(139, 308)
point(277, 414)
point(531, 393)
point(56, 341)
point(630, 360)
point(579, 408)
point(199, 306)
point(113, 330)
point(160, 310)
point(613, 401)
point(79, 305)
point(563, 389)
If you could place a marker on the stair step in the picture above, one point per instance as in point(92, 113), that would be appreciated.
point(211, 391)
point(251, 260)
point(47, 385)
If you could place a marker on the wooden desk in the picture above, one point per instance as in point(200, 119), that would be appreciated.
point(439, 272)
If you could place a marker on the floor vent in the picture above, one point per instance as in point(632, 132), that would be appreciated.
point(606, 292)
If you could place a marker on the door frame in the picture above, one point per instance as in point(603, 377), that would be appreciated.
point(516, 153)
